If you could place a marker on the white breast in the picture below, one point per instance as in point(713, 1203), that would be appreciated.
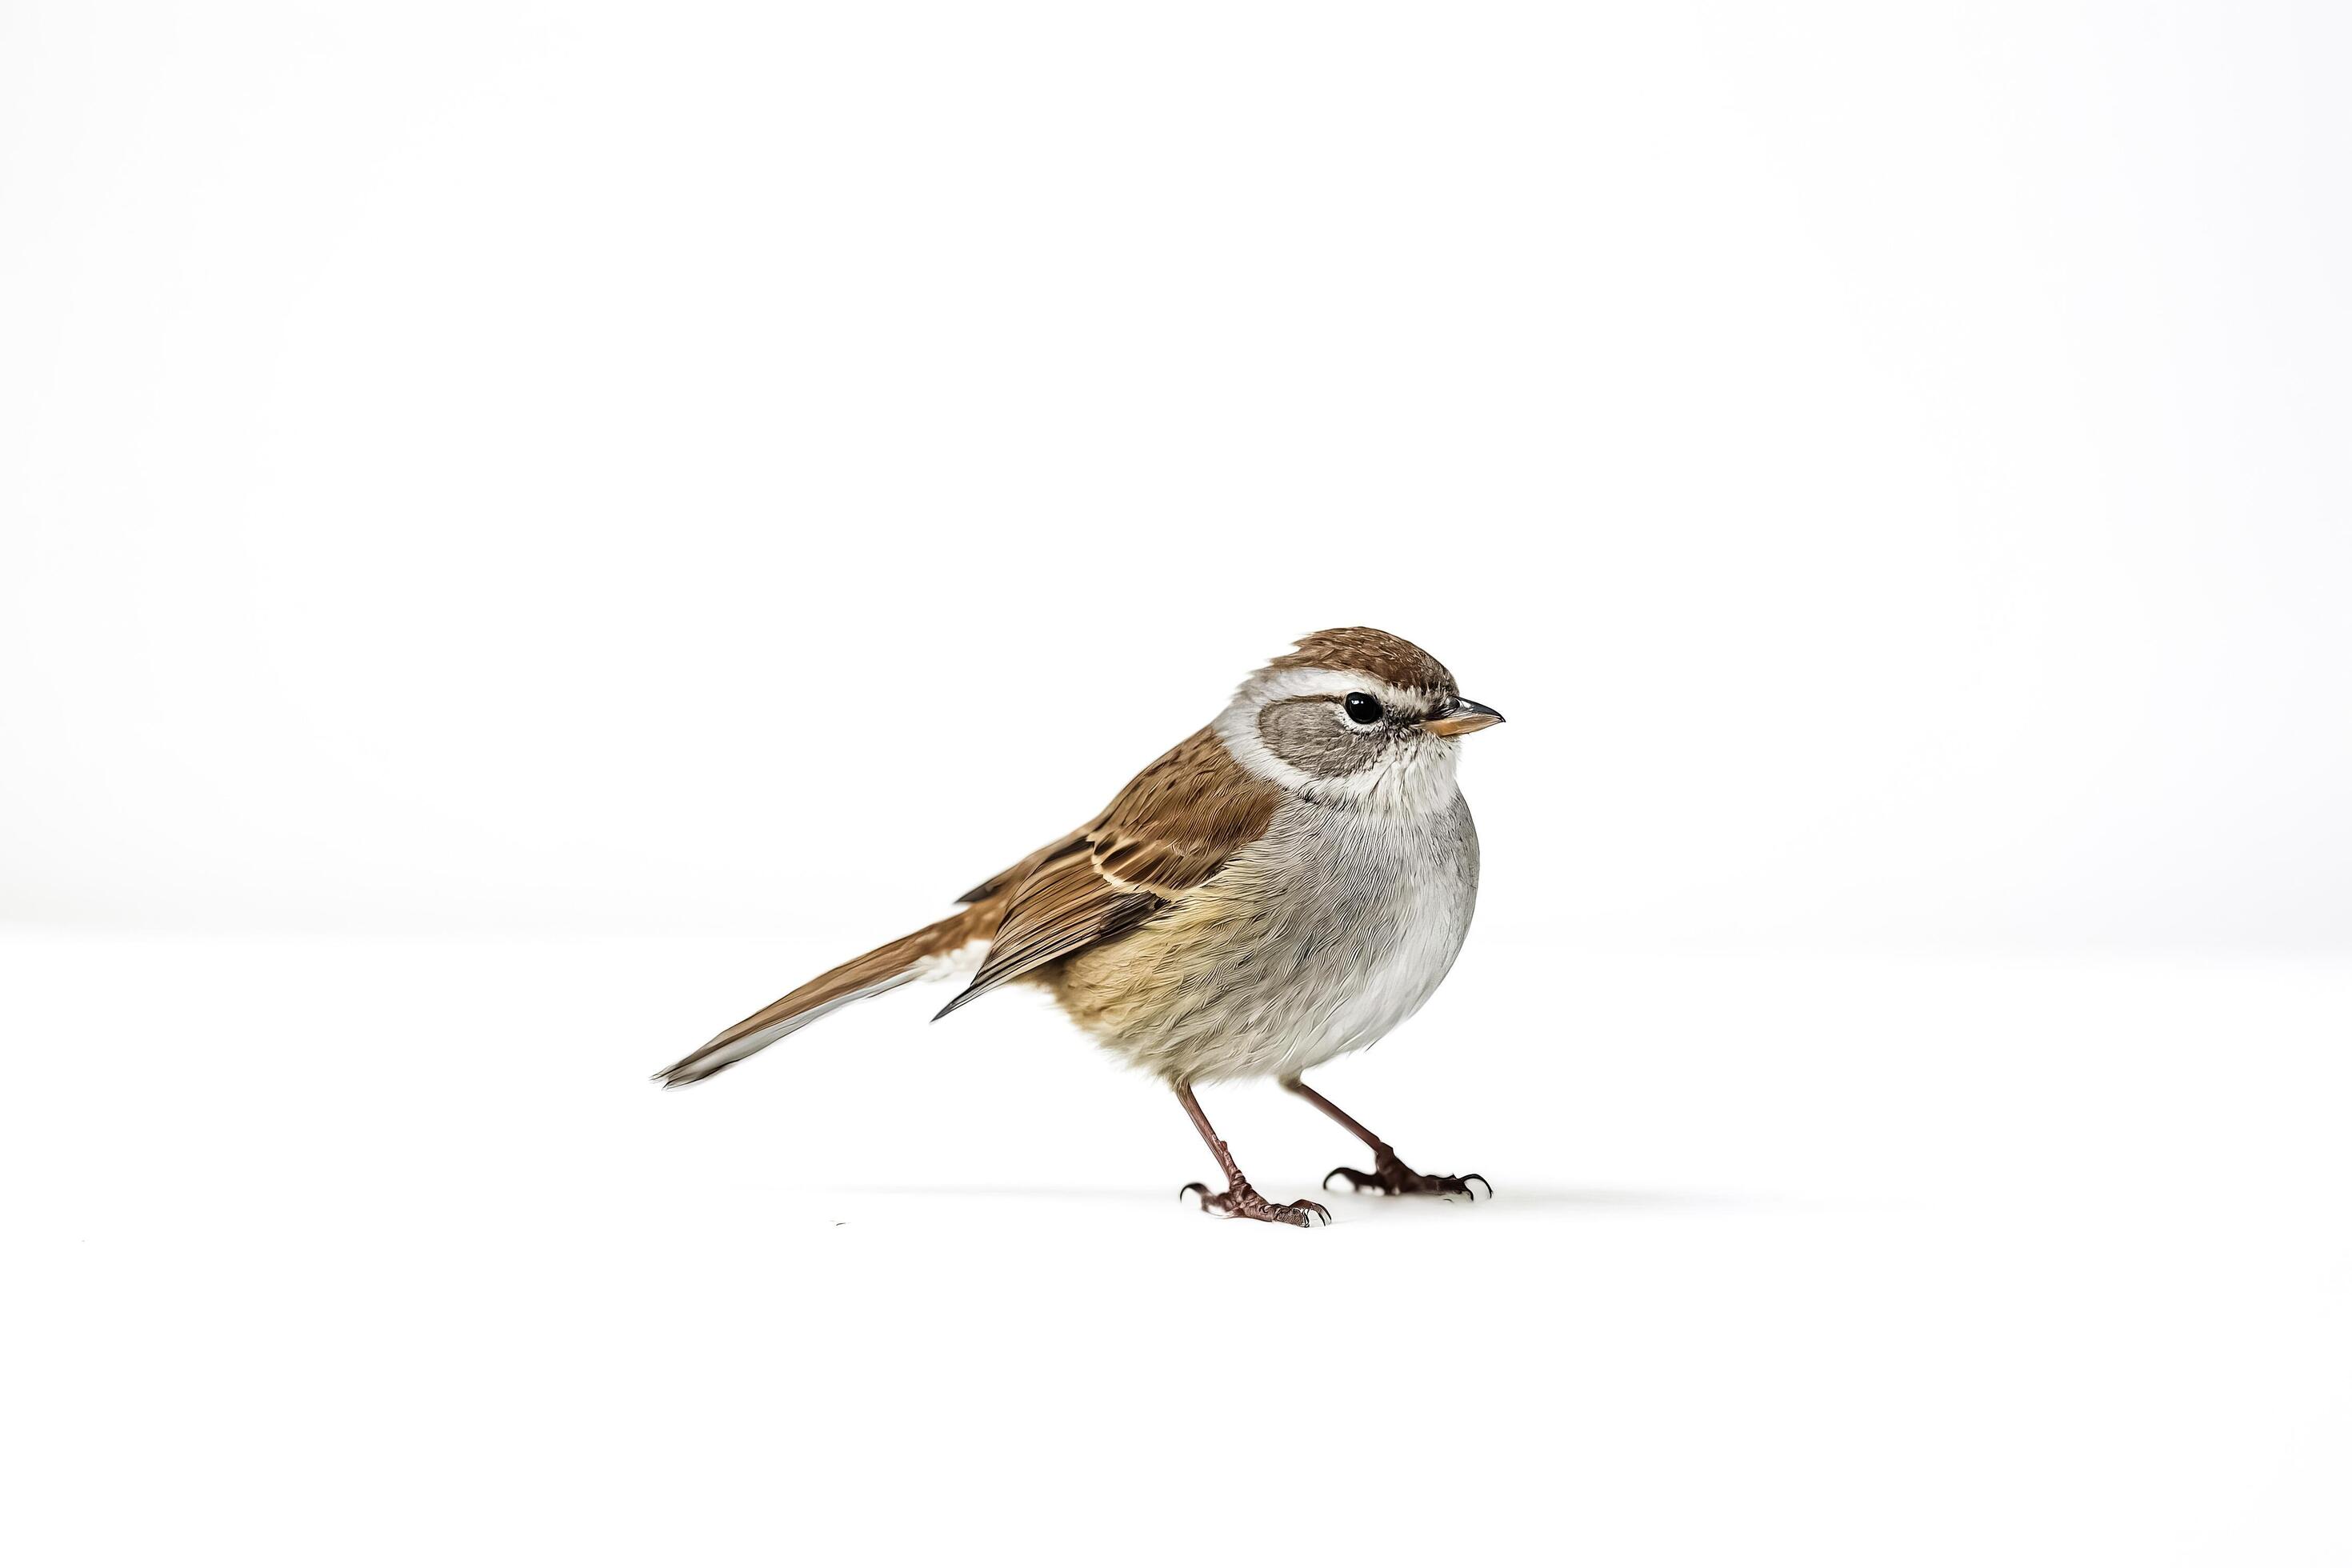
point(1377, 908)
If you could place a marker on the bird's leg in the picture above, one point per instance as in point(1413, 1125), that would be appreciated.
point(1240, 1200)
point(1388, 1174)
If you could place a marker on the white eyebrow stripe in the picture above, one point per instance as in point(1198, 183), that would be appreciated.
point(1291, 683)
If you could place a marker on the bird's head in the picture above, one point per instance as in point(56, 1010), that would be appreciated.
point(1354, 717)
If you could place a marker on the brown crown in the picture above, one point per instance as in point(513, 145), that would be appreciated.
point(1391, 658)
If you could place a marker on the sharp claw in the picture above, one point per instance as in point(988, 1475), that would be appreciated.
point(1199, 1187)
point(1475, 1176)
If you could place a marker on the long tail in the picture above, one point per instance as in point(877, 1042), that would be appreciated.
point(886, 968)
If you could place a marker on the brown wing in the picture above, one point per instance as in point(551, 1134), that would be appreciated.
point(1011, 875)
point(1171, 828)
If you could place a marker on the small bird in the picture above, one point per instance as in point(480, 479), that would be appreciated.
point(1287, 885)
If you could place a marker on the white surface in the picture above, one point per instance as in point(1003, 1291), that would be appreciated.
point(383, 1253)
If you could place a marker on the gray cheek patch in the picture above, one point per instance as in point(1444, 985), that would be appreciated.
point(1309, 734)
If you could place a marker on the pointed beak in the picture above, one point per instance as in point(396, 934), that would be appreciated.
point(1463, 717)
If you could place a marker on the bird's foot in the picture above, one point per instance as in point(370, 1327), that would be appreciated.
point(1392, 1176)
point(1241, 1201)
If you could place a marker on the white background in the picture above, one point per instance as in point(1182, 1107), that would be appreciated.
point(526, 530)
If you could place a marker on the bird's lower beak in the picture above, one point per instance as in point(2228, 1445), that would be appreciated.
point(1463, 717)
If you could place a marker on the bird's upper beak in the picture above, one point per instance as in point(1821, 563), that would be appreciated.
point(1462, 717)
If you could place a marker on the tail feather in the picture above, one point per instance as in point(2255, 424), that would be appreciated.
point(886, 968)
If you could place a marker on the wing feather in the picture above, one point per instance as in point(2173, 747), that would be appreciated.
point(1013, 874)
point(1172, 829)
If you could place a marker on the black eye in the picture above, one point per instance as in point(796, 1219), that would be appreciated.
point(1363, 708)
